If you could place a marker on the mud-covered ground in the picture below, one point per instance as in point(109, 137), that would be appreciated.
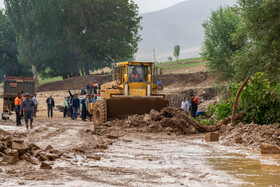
point(118, 154)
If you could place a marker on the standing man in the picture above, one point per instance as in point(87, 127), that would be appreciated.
point(99, 86)
point(95, 86)
point(28, 106)
point(76, 106)
point(88, 88)
point(185, 105)
point(50, 103)
point(35, 100)
point(65, 106)
point(194, 106)
point(17, 103)
point(84, 108)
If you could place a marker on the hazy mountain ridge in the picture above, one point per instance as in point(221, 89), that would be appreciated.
point(179, 24)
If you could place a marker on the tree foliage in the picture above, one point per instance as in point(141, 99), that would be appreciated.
point(8, 51)
point(243, 40)
point(219, 46)
point(176, 52)
point(69, 37)
point(261, 26)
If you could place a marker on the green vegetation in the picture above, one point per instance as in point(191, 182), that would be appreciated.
point(180, 61)
point(178, 66)
point(176, 52)
point(68, 37)
point(9, 64)
point(243, 40)
point(47, 80)
point(259, 100)
point(219, 47)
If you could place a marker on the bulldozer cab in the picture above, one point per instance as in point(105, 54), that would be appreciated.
point(138, 78)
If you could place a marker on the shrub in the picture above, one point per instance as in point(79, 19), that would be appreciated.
point(259, 100)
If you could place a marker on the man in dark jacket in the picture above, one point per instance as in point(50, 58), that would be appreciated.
point(76, 106)
point(50, 104)
point(28, 106)
point(194, 106)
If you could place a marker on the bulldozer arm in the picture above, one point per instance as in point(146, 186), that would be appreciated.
point(123, 106)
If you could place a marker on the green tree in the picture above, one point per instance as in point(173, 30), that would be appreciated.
point(261, 26)
point(67, 37)
point(176, 52)
point(170, 59)
point(8, 50)
point(219, 46)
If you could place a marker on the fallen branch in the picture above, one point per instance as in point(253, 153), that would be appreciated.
point(226, 120)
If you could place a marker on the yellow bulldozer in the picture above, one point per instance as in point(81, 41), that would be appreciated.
point(134, 91)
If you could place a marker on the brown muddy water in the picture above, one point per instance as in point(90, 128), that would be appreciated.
point(158, 160)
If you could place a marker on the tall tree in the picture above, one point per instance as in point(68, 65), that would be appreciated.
point(176, 52)
point(8, 50)
point(261, 27)
point(219, 46)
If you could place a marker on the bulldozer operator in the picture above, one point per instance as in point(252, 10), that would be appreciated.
point(134, 76)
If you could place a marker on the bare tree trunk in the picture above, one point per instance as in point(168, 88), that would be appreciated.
point(82, 71)
point(236, 100)
point(35, 74)
point(86, 68)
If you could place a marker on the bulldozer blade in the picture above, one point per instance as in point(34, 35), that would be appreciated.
point(121, 107)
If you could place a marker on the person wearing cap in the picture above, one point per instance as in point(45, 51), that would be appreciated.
point(194, 105)
point(50, 104)
point(17, 103)
point(134, 75)
point(28, 106)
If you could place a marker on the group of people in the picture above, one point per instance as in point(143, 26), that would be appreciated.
point(25, 107)
point(72, 105)
point(190, 105)
point(92, 88)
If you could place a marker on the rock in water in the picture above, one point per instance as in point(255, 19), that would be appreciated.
point(269, 149)
point(212, 137)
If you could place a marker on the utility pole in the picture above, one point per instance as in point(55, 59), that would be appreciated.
point(154, 55)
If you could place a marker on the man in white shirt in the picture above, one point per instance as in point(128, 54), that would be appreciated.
point(185, 105)
point(35, 101)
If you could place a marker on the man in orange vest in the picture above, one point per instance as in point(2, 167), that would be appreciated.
point(17, 103)
point(134, 75)
point(95, 85)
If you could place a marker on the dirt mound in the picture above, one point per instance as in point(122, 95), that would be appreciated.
point(188, 80)
point(252, 135)
point(73, 83)
point(13, 150)
point(169, 119)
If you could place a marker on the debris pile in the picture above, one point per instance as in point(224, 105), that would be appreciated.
point(14, 150)
point(169, 119)
point(252, 135)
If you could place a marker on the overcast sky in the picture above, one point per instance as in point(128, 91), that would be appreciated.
point(144, 5)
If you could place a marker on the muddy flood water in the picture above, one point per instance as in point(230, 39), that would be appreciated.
point(157, 160)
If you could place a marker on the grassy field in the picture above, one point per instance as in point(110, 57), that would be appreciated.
point(42, 81)
point(180, 61)
point(183, 63)
point(179, 66)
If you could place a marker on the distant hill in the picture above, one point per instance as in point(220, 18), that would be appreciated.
point(179, 24)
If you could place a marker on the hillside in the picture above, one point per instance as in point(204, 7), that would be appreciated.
point(179, 24)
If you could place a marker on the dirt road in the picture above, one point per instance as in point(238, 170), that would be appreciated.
point(94, 156)
point(135, 159)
